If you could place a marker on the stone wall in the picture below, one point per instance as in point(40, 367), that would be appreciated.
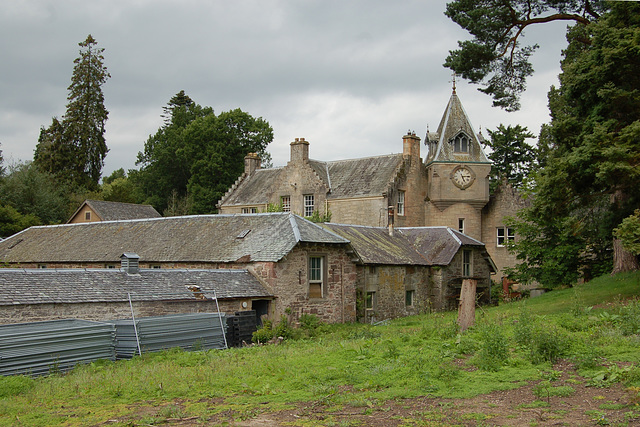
point(390, 284)
point(288, 280)
point(504, 202)
point(111, 310)
point(364, 211)
point(452, 277)
point(451, 216)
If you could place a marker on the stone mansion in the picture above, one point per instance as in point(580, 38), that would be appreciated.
point(448, 187)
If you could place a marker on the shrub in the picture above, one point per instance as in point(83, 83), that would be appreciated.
point(548, 344)
point(630, 315)
point(494, 348)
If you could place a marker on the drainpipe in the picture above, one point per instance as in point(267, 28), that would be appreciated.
point(391, 221)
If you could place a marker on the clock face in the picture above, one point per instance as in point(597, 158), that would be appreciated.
point(462, 177)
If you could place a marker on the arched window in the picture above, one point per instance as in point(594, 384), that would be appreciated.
point(461, 143)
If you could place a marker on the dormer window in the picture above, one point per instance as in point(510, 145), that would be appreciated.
point(461, 143)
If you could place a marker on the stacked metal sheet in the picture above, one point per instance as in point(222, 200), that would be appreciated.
point(197, 331)
point(40, 348)
point(241, 327)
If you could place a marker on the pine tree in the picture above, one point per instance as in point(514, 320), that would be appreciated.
point(74, 148)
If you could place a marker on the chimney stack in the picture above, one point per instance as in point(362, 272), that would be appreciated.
point(391, 219)
point(251, 163)
point(411, 145)
point(299, 150)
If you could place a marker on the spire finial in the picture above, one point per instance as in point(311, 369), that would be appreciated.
point(453, 80)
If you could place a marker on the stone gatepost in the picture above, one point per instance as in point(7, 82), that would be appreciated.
point(467, 305)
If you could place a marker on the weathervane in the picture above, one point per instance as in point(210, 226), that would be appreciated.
point(453, 80)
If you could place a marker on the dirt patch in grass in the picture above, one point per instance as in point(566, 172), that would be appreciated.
point(566, 401)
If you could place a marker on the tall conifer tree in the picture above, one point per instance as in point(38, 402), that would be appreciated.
point(74, 148)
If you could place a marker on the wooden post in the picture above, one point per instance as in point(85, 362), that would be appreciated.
point(467, 305)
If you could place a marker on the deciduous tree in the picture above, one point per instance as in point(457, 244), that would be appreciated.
point(197, 155)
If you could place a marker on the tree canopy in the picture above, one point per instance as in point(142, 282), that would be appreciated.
point(589, 182)
point(197, 155)
point(73, 149)
point(513, 159)
point(494, 57)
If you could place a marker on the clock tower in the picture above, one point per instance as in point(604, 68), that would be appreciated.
point(457, 172)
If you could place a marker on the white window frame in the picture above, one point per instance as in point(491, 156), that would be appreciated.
point(461, 225)
point(309, 205)
point(285, 201)
point(401, 199)
point(504, 235)
point(316, 274)
point(250, 210)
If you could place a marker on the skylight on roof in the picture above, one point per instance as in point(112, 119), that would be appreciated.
point(243, 234)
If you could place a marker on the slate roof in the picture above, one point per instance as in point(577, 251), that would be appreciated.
point(408, 246)
point(202, 238)
point(453, 121)
point(253, 189)
point(114, 211)
point(46, 286)
point(363, 177)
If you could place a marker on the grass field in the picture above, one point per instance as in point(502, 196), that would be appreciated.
point(595, 326)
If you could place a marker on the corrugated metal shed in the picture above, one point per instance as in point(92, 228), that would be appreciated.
point(39, 348)
point(197, 331)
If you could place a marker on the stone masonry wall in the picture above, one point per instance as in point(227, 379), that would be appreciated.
point(390, 284)
point(371, 211)
point(504, 202)
point(452, 278)
point(111, 311)
point(288, 280)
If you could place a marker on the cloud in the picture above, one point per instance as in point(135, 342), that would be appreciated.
point(350, 77)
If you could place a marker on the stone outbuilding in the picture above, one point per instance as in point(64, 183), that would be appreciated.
point(30, 295)
point(306, 268)
point(448, 186)
point(413, 270)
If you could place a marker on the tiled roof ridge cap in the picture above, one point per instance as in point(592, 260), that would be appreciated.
point(357, 158)
point(452, 231)
point(119, 203)
point(163, 218)
point(119, 270)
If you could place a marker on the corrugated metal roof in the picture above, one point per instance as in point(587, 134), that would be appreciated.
point(191, 331)
point(203, 238)
point(45, 286)
point(39, 348)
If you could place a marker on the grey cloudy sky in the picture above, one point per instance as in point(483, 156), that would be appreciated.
point(350, 76)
